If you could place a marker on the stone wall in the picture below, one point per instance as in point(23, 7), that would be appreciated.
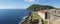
point(54, 17)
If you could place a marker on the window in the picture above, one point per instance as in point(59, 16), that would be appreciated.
point(45, 15)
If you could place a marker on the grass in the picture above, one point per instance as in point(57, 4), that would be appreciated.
point(45, 22)
point(35, 15)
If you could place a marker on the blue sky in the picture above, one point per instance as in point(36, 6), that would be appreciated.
point(23, 4)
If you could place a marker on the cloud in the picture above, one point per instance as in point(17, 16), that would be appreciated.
point(30, 0)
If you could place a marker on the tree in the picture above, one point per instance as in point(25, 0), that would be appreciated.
point(48, 7)
point(36, 7)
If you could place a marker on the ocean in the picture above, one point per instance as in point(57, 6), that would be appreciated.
point(12, 16)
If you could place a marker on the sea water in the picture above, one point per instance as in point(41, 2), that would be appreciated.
point(12, 16)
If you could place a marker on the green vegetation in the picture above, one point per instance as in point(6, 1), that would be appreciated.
point(36, 15)
point(28, 22)
point(45, 22)
point(36, 7)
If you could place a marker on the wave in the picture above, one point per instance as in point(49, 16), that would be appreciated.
point(23, 19)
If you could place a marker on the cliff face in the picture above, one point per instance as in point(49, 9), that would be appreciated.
point(34, 18)
point(52, 15)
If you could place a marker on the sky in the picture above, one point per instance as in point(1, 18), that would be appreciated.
point(23, 4)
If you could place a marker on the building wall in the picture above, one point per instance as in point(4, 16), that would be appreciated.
point(54, 19)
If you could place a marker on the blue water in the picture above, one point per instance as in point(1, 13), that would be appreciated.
point(12, 16)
